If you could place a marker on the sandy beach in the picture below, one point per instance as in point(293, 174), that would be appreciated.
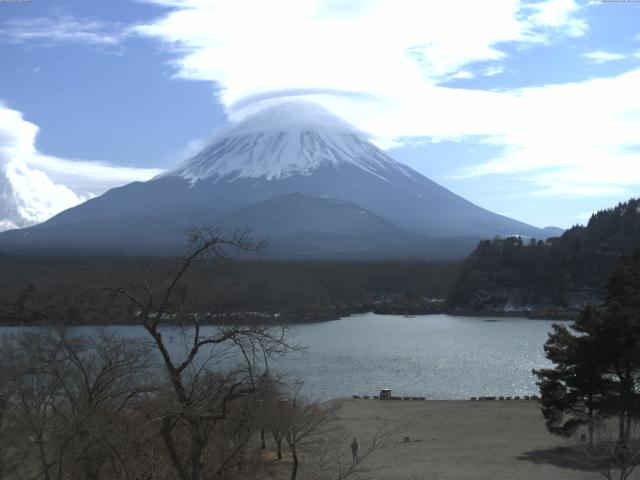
point(460, 440)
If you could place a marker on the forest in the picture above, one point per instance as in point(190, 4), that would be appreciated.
point(567, 271)
point(72, 290)
point(514, 274)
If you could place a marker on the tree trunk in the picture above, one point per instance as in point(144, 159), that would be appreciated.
point(197, 447)
point(590, 426)
point(43, 458)
point(278, 439)
point(263, 445)
point(627, 432)
point(624, 417)
point(294, 470)
point(174, 456)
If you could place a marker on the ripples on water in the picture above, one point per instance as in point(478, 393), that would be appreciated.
point(434, 356)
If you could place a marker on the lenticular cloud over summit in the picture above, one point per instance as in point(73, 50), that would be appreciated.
point(281, 140)
point(286, 116)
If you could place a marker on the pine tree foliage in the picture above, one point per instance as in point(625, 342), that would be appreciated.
point(596, 372)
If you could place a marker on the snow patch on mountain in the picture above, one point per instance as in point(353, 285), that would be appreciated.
point(285, 140)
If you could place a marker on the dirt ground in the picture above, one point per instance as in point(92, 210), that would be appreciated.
point(460, 440)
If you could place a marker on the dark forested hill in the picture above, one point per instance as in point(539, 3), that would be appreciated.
point(567, 271)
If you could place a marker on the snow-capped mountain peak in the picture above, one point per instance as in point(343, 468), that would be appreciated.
point(308, 181)
point(284, 140)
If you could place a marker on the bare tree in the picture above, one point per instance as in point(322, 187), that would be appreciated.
point(277, 424)
point(29, 398)
point(312, 429)
point(100, 378)
point(296, 421)
point(203, 399)
point(67, 398)
point(304, 428)
point(613, 458)
point(6, 447)
point(334, 464)
point(271, 409)
point(188, 402)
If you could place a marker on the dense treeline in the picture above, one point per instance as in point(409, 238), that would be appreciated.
point(568, 271)
point(36, 289)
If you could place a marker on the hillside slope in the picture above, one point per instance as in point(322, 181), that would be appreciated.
point(568, 271)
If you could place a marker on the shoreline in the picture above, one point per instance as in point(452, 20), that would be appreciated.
point(413, 398)
point(258, 318)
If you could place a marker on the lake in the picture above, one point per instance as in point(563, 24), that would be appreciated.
point(433, 356)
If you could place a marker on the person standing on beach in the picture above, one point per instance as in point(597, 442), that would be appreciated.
point(354, 450)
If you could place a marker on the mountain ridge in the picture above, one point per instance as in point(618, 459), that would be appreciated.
point(287, 149)
point(296, 213)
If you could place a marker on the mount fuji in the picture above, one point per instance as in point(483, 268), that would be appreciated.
point(292, 173)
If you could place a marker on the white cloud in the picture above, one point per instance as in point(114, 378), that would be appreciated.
point(30, 196)
point(89, 178)
point(381, 64)
point(494, 70)
point(67, 28)
point(27, 196)
point(577, 139)
point(249, 47)
point(463, 74)
point(599, 56)
point(34, 186)
point(558, 14)
point(485, 72)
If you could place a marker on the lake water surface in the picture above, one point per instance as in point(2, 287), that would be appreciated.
point(434, 356)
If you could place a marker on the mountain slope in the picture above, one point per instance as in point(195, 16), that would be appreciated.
point(297, 213)
point(286, 149)
point(299, 226)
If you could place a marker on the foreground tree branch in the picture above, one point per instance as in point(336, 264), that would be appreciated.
point(204, 394)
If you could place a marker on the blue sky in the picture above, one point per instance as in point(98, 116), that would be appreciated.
point(530, 109)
